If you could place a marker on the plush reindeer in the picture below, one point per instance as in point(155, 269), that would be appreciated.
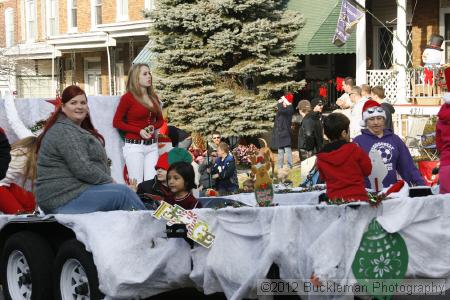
point(261, 167)
point(266, 152)
point(263, 182)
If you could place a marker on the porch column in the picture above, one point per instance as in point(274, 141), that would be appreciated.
point(400, 43)
point(361, 70)
point(109, 64)
point(53, 71)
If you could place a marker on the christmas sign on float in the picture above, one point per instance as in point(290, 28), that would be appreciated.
point(197, 229)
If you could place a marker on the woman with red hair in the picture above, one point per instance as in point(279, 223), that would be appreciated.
point(72, 168)
point(139, 115)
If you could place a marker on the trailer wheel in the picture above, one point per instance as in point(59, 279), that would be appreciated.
point(75, 273)
point(26, 267)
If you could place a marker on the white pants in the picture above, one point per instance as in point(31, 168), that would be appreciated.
point(140, 160)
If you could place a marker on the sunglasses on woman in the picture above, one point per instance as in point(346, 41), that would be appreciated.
point(375, 109)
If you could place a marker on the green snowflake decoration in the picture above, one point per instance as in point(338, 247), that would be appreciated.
point(382, 257)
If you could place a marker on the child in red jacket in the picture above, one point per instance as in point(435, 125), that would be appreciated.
point(343, 165)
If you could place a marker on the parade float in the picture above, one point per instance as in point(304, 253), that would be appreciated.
point(228, 248)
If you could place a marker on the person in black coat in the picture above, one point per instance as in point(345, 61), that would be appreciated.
point(5, 156)
point(281, 134)
point(310, 135)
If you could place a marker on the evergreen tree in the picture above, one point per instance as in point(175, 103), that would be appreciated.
point(221, 64)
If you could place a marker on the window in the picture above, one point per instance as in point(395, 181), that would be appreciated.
point(9, 27)
point(120, 79)
point(149, 4)
point(29, 86)
point(72, 15)
point(52, 14)
point(96, 12)
point(30, 20)
point(122, 10)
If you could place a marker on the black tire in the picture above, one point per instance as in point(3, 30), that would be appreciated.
point(39, 257)
point(74, 251)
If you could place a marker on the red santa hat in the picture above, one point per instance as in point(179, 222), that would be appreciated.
point(371, 109)
point(163, 162)
point(287, 99)
point(446, 96)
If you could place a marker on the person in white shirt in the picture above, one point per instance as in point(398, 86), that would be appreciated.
point(344, 102)
point(356, 114)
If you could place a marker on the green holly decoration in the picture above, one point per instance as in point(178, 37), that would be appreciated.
point(381, 257)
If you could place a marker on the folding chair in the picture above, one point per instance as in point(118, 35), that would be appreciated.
point(427, 145)
point(416, 126)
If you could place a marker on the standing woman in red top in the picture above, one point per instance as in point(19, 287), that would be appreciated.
point(139, 115)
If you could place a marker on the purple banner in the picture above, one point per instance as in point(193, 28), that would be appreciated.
point(348, 17)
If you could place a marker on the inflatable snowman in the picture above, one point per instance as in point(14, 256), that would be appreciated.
point(431, 58)
point(432, 54)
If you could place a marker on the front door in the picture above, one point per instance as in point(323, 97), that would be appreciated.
point(93, 76)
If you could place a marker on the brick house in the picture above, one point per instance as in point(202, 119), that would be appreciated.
point(86, 42)
point(375, 36)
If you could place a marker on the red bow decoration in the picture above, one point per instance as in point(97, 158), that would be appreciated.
point(339, 84)
point(260, 159)
point(323, 92)
point(428, 73)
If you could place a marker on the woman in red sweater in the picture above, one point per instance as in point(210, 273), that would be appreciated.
point(139, 115)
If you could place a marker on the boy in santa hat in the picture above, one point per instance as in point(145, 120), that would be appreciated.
point(343, 165)
point(5, 156)
point(443, 139)
point(393, 151)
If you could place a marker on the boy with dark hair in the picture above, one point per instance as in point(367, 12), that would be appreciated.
point(343, 165)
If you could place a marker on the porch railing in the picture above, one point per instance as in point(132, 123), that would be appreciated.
point(424, 85)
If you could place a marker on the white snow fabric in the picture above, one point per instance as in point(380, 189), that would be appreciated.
point(13, 118)
point(135, 260)
point(133, 256)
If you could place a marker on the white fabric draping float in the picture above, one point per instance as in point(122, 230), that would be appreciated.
point(102, 109)
point(134, 259)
